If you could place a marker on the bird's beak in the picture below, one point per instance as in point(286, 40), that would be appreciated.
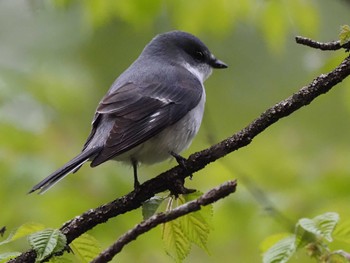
point(216, 63)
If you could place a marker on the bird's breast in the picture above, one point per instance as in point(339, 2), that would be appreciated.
point(175, 138)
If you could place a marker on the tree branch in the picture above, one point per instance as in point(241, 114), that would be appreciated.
point(210, 197)
point(334, 45)
point(197, 161)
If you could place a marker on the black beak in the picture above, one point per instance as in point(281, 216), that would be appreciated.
point(215, 63)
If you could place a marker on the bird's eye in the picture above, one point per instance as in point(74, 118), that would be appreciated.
point(199, 55)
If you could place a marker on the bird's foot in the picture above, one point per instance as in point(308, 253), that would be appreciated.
point(181, 161)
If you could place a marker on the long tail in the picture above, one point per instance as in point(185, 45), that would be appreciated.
point(60, 173)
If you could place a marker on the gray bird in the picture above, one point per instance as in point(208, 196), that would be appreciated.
point(153, 109)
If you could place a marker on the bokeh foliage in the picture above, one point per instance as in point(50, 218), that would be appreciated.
point(58, 58)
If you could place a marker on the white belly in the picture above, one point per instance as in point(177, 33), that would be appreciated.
point(175, 138)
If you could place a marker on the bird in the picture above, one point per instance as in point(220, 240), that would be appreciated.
point(152, 111)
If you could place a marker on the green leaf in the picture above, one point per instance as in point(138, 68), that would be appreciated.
point(196, 226)
point(281, 251)
point(322, 225)
point(47, 242)
point(271, 240)
point(344, 35)
point(22, 231)
point(302, 237)
point(5, 257)
point(85, 248)
point(178, 235)
point(150, 206)
point(175, 242)
point(196, 229)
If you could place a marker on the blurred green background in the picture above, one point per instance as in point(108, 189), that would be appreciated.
point(58, 58)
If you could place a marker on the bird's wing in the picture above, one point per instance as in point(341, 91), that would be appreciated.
point(140, 112)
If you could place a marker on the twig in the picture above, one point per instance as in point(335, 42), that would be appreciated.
point(334, 45)
point(199, 160)
point(210, 197)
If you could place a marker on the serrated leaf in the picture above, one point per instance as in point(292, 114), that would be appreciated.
point(176, 244)
point(196, 226)
point(150, 206)
point(47, 242)
point(86, 248)
point(22, 231)
point(281, 251)
point(302, 237)
point(271, 240)
point(178, 235)
point(322, 225)
point(196, 229)
point(61, 242)
point(5, 257)
point(344, 35)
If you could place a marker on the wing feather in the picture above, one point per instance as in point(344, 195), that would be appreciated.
point(140, 112)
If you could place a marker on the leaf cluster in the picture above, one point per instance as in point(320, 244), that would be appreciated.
point(312, 235)
point(48, 241)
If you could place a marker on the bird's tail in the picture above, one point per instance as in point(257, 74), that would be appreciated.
point(60, 173)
